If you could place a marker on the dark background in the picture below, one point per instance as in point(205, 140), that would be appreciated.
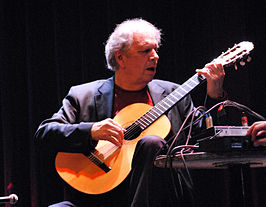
point(48, 46)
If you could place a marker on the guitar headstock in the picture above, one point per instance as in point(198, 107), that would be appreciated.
point(236, 54)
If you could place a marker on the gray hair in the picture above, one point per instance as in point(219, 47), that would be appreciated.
point(122, 38)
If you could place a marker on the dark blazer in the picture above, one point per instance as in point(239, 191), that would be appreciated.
point(69, 128)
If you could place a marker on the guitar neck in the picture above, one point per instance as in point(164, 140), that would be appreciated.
point(169, 101)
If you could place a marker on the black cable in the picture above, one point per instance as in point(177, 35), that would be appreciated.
point(244, 108)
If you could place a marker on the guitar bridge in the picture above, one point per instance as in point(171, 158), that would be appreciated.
point(97, 161)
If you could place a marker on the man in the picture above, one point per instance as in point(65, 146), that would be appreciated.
point(88, 110)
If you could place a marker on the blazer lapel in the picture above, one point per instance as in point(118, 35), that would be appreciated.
point(157, 93)
point(104, 99)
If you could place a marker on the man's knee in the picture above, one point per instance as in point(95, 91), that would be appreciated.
point(152, 141)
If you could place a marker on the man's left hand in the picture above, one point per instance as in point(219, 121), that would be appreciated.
point(214, 74)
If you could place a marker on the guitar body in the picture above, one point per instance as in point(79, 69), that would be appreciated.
point(83, 175)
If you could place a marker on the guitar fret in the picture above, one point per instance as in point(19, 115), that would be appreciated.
point(167, 101)
point(194, 81)
point(171, 95)
point(155, 115)
point(144, 121)
point(173, 102)
point(157, 107)
point(141, 124)
point(182, 88)
point(150, 113)
point(191, 85)
point(187, 87)
point(148, 118)
point(163, 105)
point(147, 122)
point(178, 93)
point(154, 110)
point(167, 104)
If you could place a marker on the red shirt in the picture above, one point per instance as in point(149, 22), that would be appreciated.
point(123, 98)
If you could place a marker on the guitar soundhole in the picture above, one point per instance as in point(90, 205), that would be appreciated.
point(132, 132)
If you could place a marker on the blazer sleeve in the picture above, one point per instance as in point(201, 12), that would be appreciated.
point(63, 131)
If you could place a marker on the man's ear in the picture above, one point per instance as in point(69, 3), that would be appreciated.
point(119, 58)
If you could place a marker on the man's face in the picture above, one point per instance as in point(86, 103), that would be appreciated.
point(140, 60)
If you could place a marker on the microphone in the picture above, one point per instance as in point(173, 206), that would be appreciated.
point(12, 199)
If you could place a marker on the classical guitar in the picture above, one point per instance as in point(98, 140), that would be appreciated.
point(105, 168)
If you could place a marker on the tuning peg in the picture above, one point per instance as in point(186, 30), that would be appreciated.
point(249, 59)
point(242, 63)
point(235, 67)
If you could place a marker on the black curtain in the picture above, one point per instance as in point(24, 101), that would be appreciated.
point(48, 46)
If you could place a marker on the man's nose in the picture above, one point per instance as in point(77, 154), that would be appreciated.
point(154, 55)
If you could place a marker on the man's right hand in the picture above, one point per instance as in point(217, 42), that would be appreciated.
point(108, 130)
